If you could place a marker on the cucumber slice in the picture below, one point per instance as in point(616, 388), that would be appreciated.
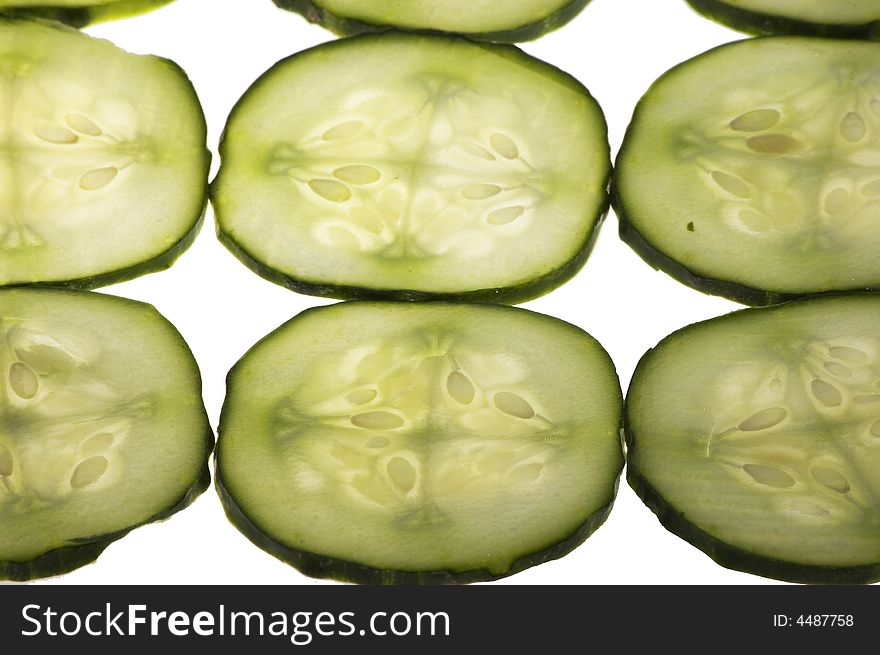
point(410, 166)
point(852, 19)
point(103, 159)
point(756, 437)
point(751, 171)
point(413, 443)
point(103, 426)
point(516, 20)
point(78, 13)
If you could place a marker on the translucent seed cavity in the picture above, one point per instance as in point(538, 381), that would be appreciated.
point(477, 150)
point(6, 463)
point(826, 393)
point(830, 478)
point(504, 146)
point(362, 396)
point(505, 215)
point(852, 127)
point(837, 201)
point(56, 135)
point(357, 174)
point(764, 419)
point(526, 473)
point(837, 370)
point(754, 221)
point(731, 184)
point(23, 381)
point(330, 190)
point(402, 473)
point(514, 405)
point(378, 442)
point(480, 191)
point(345, 130)
point(756, 120)
point(88, 472)
point(83, 125)
point(848, 354)
point(377, 420)
point(460, 388)
point(98, 178)
point(871, 189)
point(342, 237)
point(769, 476)
point(773, 144)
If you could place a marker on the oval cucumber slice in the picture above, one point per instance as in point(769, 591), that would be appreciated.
point(103, 162)
point(103, 426)
point(853, 19)
point(410, 167)
point(516, 20)
point(411, 443)
point(78, 13)
point(751, 171)
point(756, 437)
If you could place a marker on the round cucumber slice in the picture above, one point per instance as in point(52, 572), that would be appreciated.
point(103, 162)
point(409, 167)
point(410, 443)
point(751, 171)
point(852, 19)
point(516, 20)
point(78, 12)
point(756, 437)
point(103, 426)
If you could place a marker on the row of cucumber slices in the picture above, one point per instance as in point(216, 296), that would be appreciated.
point(430, 167)
point(435, 442)
point(519, 20)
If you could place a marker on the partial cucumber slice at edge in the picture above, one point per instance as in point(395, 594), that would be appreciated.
point(313, 12)
point(63, 391)
point(644, 396)
point(754, 22)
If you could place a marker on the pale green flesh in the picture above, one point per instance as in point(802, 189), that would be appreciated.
point(820, 11)
point(102, 156)
point(463, 16)
point(414, 438)
point(763, 430)
point(413, 163)
point(101, 421)
point(758, 163)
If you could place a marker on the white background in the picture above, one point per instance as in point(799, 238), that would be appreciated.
point(616, 48)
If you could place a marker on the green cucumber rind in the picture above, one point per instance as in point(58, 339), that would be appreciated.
point(752, 22)
point(70, 558)
point(660, 261)
point(88, 549)
point(162, 260)
point(82, 16)
point(512, 294)
point(738, 559)
point(321, 566)
point(728, 556)
point(314, 13)
point(678, 271)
